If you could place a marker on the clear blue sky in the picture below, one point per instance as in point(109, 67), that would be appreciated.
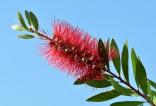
point(26, 80)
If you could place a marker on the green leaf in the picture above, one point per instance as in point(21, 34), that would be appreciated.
point(154, 97)
point(17, 28)
point(79, 81)
point(121, 89)
point(134, 60)
point(34, 20)
point(153, 84)
point(99, 83)
point(141, 76)
point(26, 36)
point(124, 59)
point(21, 19)
point(104, 96)
point(154, 100)
point(154, 93)
point(149, 89)
point(132, 94)
point(116, 61)
point(128, 103)
point(27, 17)
point(102, 52)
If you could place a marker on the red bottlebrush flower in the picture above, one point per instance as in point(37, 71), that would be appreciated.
point(74, 51)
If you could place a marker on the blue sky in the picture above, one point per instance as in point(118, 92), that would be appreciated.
point(26, 80)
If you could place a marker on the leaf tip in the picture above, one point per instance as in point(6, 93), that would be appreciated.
point(88, 100)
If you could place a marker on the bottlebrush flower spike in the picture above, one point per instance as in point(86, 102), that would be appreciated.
point(74, 51)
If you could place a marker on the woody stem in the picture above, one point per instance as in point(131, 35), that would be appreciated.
point(40, 34)
point(132, 88)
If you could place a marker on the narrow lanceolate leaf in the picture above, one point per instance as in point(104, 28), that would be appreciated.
point(154, 97)
point(81, 80)
point(26, 36)
point(27, 17)
point(21, 19)
point(128, 103)
point(154, 100)
point(124, 59)
point(116, 61)
point(141, 76)
point(99, 83)
point(153, 84)
point(154, 93)
point(104, 96)
point(78, 82)
point(149, 89)
point(121, 89)
point(33, 20)
point(102, 52)
point(17, 28)
point(95, 83)
point(134, 60)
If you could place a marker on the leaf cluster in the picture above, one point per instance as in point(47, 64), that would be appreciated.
point(121, 64)
point(32, 26)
